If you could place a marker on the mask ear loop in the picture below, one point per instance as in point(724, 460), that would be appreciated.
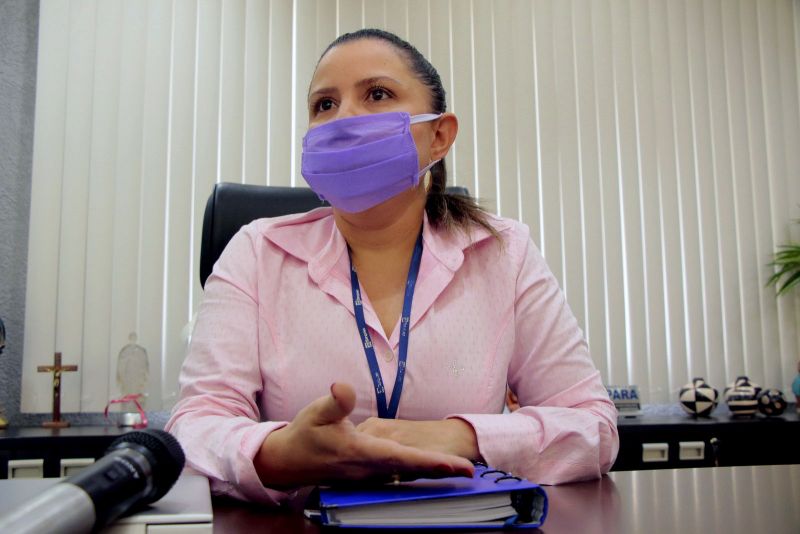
point(425, 117)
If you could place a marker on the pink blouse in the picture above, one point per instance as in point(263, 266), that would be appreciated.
point(276, 329)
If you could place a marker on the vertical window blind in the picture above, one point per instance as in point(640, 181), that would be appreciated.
point(651, 146)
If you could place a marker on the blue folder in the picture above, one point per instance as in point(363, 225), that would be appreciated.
point(490, 499)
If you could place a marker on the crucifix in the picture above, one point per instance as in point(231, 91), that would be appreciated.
point(56, 369)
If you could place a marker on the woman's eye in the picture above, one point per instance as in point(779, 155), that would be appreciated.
point(325, 104)
point(378, 93)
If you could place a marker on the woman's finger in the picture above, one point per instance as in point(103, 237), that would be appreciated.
point(332, 408)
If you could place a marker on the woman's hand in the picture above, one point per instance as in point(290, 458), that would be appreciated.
point(322, 446)
point(449, 436)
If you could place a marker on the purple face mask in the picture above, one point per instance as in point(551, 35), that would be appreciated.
point(358, 162)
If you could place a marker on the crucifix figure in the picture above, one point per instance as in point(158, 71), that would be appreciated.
point(56, 369)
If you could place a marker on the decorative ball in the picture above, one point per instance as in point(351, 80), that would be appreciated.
point(741, 381)
point(742, 400)
point(698, 398)
point(772, 402)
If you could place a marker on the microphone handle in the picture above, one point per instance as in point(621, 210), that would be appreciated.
point(91, 499)
point(62, 509)
point(117, 482)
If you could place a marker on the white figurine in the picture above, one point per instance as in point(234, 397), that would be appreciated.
point(133, 372)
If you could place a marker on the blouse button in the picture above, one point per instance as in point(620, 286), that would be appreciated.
point(388, 356)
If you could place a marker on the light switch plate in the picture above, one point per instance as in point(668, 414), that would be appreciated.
point(33, 468)
point(692, 450)
point(72, 466)
point(655, 452)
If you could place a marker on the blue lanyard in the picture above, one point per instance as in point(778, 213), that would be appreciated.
point(390, 411)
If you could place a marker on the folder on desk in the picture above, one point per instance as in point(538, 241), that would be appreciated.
point(490, 499)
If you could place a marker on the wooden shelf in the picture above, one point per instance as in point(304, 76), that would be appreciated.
point(53, 445)
point(728, 440)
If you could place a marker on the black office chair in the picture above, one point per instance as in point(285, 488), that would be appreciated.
point(232, 205)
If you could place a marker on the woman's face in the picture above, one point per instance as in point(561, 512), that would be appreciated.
point(369, 76)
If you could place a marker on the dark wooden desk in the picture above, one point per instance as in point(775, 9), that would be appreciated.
point(703, 500)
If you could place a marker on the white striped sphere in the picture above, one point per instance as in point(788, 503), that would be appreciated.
point(741, 381)
point(742, 400)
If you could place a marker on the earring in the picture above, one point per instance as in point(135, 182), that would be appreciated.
point(428, 180)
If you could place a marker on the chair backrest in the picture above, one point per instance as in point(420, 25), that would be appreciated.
point(232, 206)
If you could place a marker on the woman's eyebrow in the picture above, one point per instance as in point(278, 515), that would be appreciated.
point(366, 82)
point(376, 80)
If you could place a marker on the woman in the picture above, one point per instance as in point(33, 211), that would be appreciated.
point(307, 331)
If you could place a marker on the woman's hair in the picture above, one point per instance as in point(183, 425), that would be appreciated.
point(444, 209)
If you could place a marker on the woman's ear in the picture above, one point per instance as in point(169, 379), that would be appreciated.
point(444, 135)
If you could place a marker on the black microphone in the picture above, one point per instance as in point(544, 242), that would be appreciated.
point(137, 469)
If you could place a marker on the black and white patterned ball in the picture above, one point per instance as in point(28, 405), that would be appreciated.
point(741, 381)
point(698, 398)
point(742, 401)
point(771, 402)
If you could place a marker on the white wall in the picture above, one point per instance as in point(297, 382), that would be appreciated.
point(650, 146)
